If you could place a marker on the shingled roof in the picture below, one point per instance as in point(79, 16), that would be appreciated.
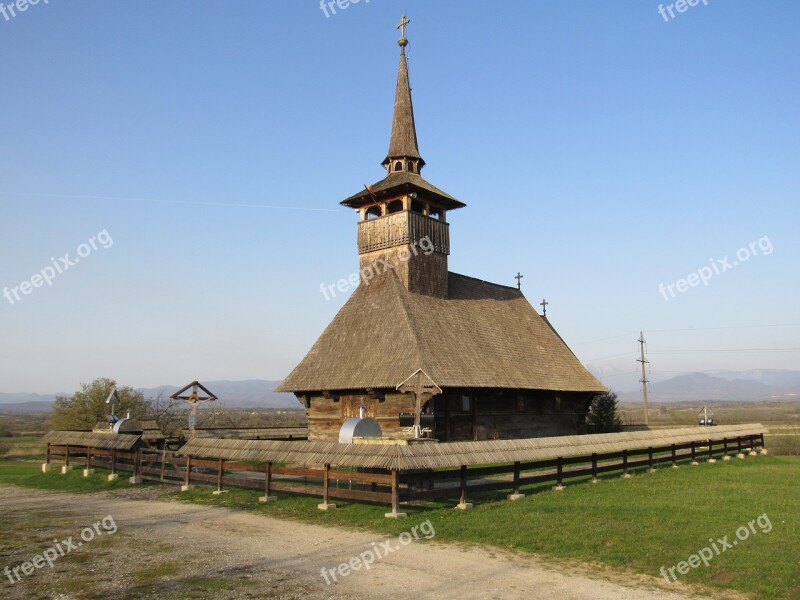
point(403, 140)
point(402, 182)
point(483, 336)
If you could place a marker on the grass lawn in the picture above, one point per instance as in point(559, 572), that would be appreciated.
point(21, 446)
point(638, 524)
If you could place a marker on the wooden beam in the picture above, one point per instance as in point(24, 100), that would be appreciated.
point(625, 463)
point(220, 474)
point(395, 514)
point(515, 495)
point(463, 504)
point(188, 477)
point(559, 474)
point(326, 482)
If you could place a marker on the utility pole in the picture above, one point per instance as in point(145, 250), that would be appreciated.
point(644, 376)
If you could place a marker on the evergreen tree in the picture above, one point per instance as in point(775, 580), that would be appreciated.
point(603, 417)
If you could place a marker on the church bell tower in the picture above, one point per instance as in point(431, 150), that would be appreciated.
point(402, 218)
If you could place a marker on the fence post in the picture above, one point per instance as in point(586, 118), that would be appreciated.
point(137, 467)
point(674, 457)
point(221, 468)
point(326, 479)
point(163, 463)
point(515, 495)
point(753, 445)
point(395, 514)
point(559, 474)
point(46, 463)
point(761, 440)
point(66, 466)
point(113, 475)
point(88, 470)
point(694, 454)
point(594, 468)
point(711, 458)
point(739, 453)
point(267, 497)
point(625, 473)
point(187, 485)
point(463, 504)
point(651, 468)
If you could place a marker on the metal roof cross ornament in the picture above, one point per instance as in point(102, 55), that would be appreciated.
point(519, 277)
point(402, 26)
point(544, 304)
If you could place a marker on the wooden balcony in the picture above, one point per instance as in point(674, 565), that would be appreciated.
point(401, 228)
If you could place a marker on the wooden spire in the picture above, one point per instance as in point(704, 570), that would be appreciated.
point(403, 140)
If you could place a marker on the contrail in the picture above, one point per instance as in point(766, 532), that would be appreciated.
point(186, 202)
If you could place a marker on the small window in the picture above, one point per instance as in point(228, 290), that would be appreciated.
point(465, 403)
point(398, 166)
point(434, 213)
point(373, 212)
point(417, 207)
point(410, 167)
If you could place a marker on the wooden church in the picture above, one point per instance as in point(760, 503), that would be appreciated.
point(475, 358)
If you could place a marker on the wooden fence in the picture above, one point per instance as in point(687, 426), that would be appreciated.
point(391, 487)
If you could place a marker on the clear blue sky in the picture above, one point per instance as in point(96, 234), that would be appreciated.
point(601, 151)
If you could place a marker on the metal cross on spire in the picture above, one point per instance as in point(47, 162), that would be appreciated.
point(402, 27)
point(544, 304)
point(519, 277)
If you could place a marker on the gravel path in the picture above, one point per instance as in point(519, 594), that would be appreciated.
point(175, 550)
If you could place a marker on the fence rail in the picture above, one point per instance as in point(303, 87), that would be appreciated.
point(389, 486)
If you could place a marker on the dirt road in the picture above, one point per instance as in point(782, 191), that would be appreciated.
point(173, 550)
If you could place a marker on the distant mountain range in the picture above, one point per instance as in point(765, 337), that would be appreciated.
point(758, 384)
point(251, 393)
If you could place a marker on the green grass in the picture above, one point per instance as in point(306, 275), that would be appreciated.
point(28, 474)
point(639, 524)
point(26, 446)
point(783, 445)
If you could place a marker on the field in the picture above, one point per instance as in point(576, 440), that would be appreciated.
point(633, 526)
point(636, 525)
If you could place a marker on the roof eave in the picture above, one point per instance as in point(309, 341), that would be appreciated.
point(364, 198)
